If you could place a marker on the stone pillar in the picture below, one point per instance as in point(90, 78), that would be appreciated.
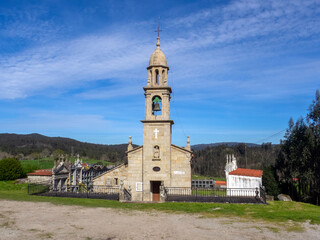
point(163, 194)
point(153, 77)
point(121, 191)
point(166, 106)
point(66, 185)
point(149, 78)
point(165, 77)
point(148, 106)
point(188, 147)
point(130, 147)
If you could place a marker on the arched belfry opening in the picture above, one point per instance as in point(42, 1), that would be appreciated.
point(163, 75)
point(156, 106)
point(157, 77)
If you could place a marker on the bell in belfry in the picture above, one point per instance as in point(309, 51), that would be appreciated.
point(156, 107)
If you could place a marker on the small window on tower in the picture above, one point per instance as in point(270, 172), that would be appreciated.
point(157, 77)
point(156, 106)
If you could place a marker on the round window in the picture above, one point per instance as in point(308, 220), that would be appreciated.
point(156, 169)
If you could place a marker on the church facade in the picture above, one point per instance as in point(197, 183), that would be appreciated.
point(157, 162)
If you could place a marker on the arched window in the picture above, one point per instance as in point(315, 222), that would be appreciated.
point(156, 106)
point(157, 77)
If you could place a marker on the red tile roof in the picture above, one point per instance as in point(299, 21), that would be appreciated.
point(41, 172)
point(220, 182)
point(247, 172)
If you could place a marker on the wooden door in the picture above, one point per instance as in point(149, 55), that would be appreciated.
point(155, 190)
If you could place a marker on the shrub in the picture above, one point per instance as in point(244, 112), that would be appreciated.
point(10, 169)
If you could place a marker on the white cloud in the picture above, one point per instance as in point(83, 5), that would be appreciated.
point(200, 46)
point(68, 63)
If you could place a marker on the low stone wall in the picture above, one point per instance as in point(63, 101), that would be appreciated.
point(39, 179)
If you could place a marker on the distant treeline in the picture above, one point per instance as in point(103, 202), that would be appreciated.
point(209, 158)
point(211, 161)
point(32, 146)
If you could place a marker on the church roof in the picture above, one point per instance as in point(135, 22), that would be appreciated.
point(181, 148)
point(216, 182)
point(41, 172)
point(112, 169)
point(158, 58)
point(134, 149)
point(246, 172)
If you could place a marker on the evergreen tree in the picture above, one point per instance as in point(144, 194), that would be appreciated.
point(269, 181)
point(298, 161)
point(10, 169)
point(313, 118)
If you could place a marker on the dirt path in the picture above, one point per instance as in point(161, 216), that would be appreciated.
point(32, 220)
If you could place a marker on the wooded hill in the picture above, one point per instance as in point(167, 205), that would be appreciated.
point(35, 145)
point(209, 159)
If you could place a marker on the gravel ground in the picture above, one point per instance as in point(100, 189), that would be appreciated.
point(33, 220)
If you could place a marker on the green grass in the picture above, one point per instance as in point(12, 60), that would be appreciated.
point(209, 192)
point(30, 165)
point(278, 212)
point(95, 161)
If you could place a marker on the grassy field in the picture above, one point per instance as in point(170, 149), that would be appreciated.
point(279, 212)
point(44, 163)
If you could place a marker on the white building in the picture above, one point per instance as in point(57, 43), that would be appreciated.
point(241, 181)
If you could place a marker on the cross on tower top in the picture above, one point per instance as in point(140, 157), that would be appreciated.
point(158, 30)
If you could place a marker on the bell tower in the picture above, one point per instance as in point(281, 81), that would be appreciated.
point(157, 164)
point(157, 91)
point(157, 125)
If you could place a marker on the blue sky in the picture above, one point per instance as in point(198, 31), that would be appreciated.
point(238, 69)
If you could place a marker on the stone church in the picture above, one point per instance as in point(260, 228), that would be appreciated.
point(157, 162)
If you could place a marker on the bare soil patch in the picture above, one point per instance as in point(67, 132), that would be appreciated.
point(37, 220)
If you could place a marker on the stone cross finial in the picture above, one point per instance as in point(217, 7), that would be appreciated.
point(130, 147)
point(188, 147)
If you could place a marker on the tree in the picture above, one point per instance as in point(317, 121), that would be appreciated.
point(10, 169)
point(299, 158)
point(293, 163)
point(313, 118)
point(56, 153)
point(269, 181)
point(45, 153)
